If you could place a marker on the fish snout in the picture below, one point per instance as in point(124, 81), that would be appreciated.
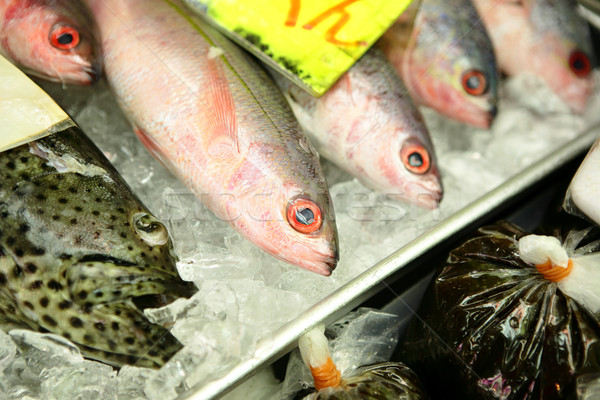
point(428, 194)
point(493, 112)
point(93, 72)
point(430, 201)
point(321, 261)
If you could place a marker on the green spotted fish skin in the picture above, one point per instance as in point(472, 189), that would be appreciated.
point(79, 253)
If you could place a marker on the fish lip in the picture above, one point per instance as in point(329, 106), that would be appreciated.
point(426, 198)
point(94, 73)
point(323, 266)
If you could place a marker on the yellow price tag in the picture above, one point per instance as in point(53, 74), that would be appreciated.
point(312, 41)
point(27, 113)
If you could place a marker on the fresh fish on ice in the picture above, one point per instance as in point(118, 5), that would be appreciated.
point(546, 38)
point(52, 39)
point(80, 255)
point(446, 59)
point(368, 125)
point(213, 117)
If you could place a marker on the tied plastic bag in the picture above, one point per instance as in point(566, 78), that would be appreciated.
point(350, 362)
point(384, 381)
point(493, 327)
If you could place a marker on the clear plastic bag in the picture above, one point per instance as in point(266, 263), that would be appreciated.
point(361, 344)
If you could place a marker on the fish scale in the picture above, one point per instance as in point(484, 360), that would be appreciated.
point(74, 256)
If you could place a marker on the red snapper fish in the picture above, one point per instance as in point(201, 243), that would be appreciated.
point(368, 125)
point(446, 59)
point(52, 39)
point(546, 38)
point(215, 119)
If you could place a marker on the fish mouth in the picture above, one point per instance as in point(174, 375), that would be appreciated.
point(430, 201)
point(93, 73)
point(109, 279)
point(482, 119)
point(324, 265)
point(422, 197)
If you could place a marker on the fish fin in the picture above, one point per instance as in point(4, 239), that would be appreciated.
point(223, 115)
point(151, 145)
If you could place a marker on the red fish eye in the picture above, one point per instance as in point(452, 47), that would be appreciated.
point(474, 82)
point(415, 158)
point(304, 216)
point(64, 37)
point(580, 64)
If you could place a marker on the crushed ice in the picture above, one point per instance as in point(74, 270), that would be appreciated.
point(245, 294)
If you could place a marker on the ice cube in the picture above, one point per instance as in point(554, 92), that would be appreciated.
point(131, 382)
point(8, 351)
point(170, 381)
point(89, 380)
point(45, 350)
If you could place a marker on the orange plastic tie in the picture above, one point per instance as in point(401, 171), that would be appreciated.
point(554, 273)
point(327, 375)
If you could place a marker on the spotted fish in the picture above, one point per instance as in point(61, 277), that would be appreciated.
point(80, 255)
point(446, 60)
point(53, 39)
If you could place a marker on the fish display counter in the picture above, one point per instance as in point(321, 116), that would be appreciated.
point(250, 307)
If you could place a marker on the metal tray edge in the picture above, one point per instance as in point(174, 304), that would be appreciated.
point(357, 290)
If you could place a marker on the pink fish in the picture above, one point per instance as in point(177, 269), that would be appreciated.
point(211, 115)
point(53, 39)
point(546, 38)
point(368, 125)
point(446, 59)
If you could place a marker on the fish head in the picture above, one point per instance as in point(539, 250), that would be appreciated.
point(285, 210)
point(412, 170)
point(549, 39)
point(561, 51)
point(566, 69)
point(390, 149)
point(387, 147)
point(57, 41)
point(452, 68)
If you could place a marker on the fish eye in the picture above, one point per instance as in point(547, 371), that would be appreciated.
point(304, 215)
point(415, 158)
point(64, 37)
point(149, 229)
point(580, 64)
point(474, 82)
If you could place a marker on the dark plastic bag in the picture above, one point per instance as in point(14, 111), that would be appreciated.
point(492, 327)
